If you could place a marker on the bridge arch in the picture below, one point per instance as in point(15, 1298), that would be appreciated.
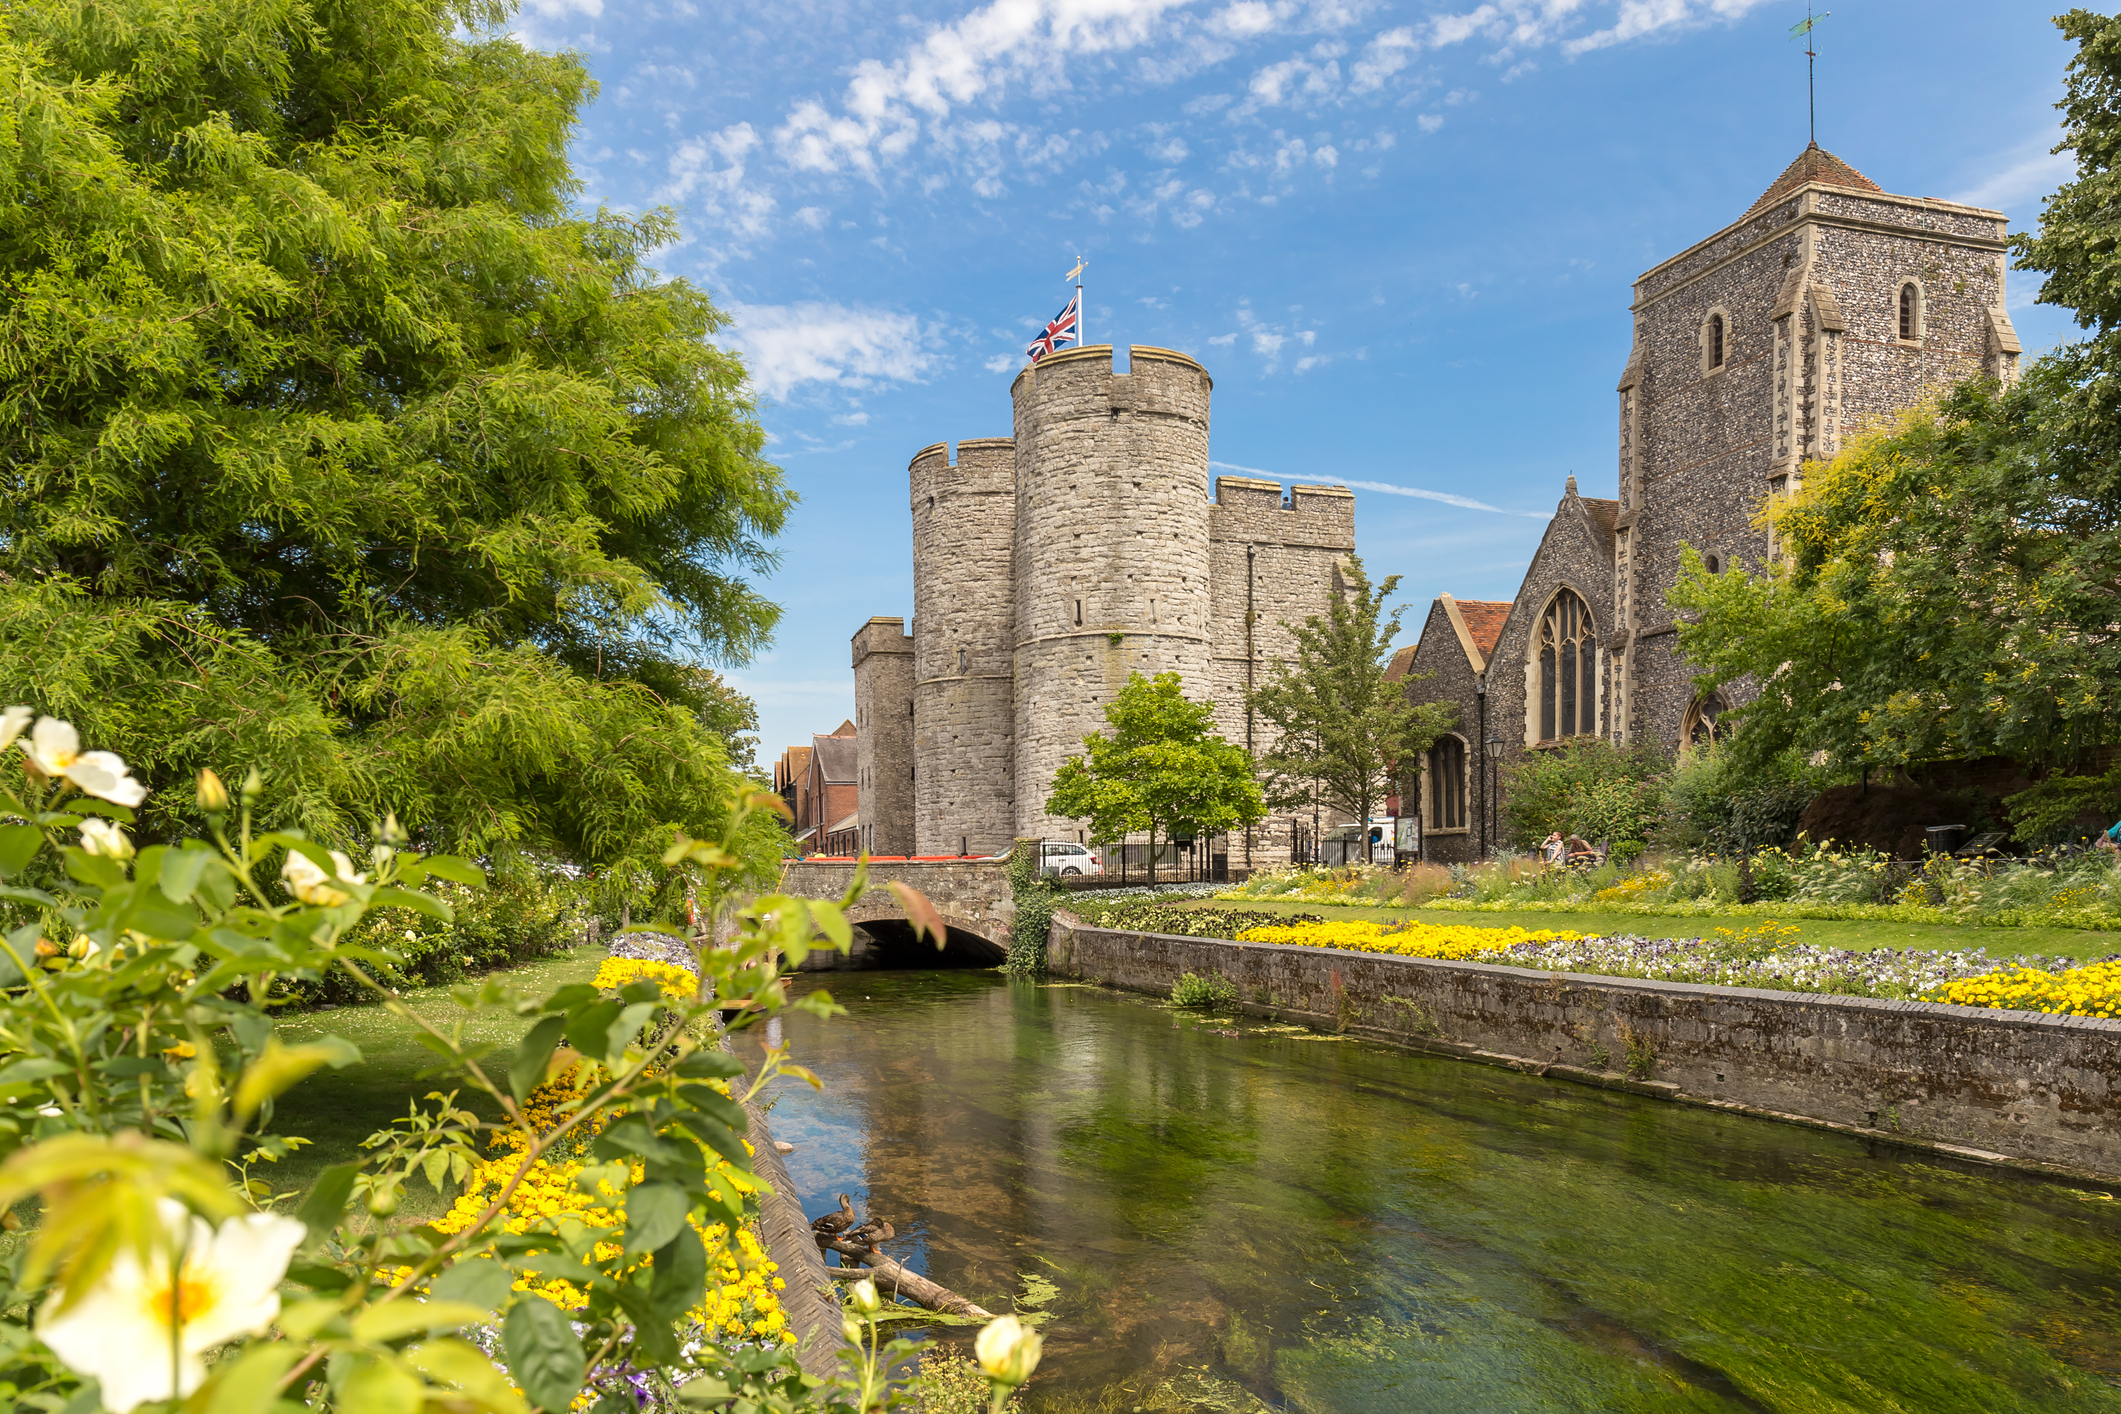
point(972, 895)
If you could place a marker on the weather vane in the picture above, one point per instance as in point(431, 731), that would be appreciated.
point(1811, 97)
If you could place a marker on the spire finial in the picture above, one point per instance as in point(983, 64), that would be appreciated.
point(1570, 489)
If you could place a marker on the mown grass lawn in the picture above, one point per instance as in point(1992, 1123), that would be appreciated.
point(337, 1109)
point(1863, 935)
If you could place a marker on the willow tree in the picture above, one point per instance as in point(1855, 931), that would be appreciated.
point(336, 440)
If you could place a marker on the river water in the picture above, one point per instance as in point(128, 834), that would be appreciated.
point(1278, 1219)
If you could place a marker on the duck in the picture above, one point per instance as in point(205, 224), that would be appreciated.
point(872, 1234)
point(835, 1223)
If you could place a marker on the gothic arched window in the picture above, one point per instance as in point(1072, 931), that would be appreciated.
point(1447, 784)
point(1911, 311)
point(1568, 669)
point(1703, 723)
point(1715, 341)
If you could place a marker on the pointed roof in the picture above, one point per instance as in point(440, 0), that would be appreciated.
point(1814, 164)
point(1402, 663)
point(1484, 618)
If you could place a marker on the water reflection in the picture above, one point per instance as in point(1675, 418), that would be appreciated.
point(1283, 1219)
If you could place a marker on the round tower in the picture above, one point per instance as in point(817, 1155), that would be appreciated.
point(963, 523)
point(1111, 548)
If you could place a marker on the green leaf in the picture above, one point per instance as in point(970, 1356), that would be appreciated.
point(379, 1384)
point(708, 1391)
point(326, 1204)
point(449, 867)
point(250, 1383)
point(93, 869)
point(589, 1029)
point(477, 1282)
point(655, 1213)
point(680, 1276)
point(181, 871)
point(543, 1353)
point(465, 1366)
point(709, 1063)
point(280, 1066)
point(528, 1071)
point(394, 1320)
point(387, 897)
point(18, 846)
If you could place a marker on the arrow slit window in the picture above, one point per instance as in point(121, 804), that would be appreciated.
point(1568, 669)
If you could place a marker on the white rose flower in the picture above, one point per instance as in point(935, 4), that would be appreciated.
point(104, 838)
point(54, 749)
point(1008, 1351)
point(12, 722)
point(312, 885)
point(143, 1332)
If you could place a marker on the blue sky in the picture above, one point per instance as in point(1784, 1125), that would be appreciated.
point(1401, 236)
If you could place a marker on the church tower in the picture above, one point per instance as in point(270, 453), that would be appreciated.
point(1829, 306)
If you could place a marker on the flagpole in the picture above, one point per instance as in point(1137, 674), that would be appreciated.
point(1082, 330)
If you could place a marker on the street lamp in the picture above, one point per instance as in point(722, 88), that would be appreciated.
point(1487, 795)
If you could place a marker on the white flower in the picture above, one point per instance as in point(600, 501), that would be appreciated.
point(863, 1298)
point(312, 885)
point(12, 721)
point(1007, 1351)
point(143, 1332)
point(54, 749)
point(50, 1111)
point(104, 838)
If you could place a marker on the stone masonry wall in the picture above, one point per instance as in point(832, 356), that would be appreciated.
point(883, 720)
point(1291, 573)
point(1441, 672)
point(2011, 1086)
point(1810, 295)
point(1111, 557)
point(964, 520)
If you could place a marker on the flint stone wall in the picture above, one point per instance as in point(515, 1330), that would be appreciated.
point(2019, 1087)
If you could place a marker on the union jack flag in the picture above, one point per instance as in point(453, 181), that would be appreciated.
point(1063, 330)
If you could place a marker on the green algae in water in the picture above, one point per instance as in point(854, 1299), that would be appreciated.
point(1260, 1221)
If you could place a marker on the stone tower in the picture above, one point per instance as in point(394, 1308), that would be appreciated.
point(1111, 547)
point(1049, 566)
point(1829, 306)
point(964, 528)
point(883, 682)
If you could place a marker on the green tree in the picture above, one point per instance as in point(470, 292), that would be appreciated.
point(1344, 733)
point(335, 440)
point(1160, 768)
point(1949, 585)
point(1590, 788)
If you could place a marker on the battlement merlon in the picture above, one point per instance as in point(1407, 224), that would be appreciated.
point(882, 634)
point(1251, 510)
point(1080, 383)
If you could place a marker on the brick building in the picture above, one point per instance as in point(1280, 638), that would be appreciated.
point(821, 783)
point(1051, 564)
point(1828, 306)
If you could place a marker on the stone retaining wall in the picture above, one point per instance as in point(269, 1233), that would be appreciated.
point(2024, 1088)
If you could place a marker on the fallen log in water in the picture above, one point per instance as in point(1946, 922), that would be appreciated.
point(890, 1276)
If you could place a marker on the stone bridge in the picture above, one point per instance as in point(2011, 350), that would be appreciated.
point(972, 895)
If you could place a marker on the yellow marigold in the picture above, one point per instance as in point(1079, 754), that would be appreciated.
point(1449, 941)
point(677, 982)
point(2080, 991)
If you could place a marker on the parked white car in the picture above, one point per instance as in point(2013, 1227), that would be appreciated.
point(1067, 857)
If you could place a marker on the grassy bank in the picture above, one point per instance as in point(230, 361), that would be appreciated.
point(337, 1109)
point(1860, 935)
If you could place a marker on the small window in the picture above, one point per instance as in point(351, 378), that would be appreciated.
point(1712, 563)
point(1447, 784)
point(1715, 341)
point(964, 660)
point(1703, 722)
point(1911, 311)
point(1078, 613)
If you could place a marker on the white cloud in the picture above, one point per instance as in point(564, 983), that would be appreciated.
point(707, 173)
point(977, 57)
point(2030, 172)
point(1430, 122)
point(813, 216)
point(787, 345)
point(1001, 363)
point(1383, 57)
point(1463, 502)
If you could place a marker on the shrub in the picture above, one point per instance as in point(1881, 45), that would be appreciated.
point(1214, 993)
point(506, 924)
point(1714, 803)
point(1591, 788)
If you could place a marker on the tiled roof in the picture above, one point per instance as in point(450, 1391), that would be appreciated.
point(1602, 513)
point(846, 728)
point(835, 758)
point(1401, 662)
point(1484, 621)
point(1814, 164)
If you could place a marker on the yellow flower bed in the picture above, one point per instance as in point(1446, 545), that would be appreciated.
point(2080, 991)
point(1449, 941)
point(741, 1300)
point(1634, 886)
